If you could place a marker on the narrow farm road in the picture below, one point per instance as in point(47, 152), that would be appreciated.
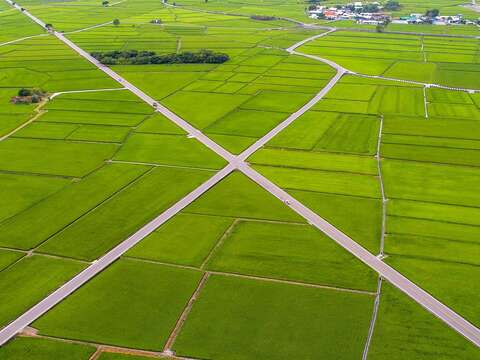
point(450, 317)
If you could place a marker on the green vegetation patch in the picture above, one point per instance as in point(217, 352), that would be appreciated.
point(30, 280)
point(100, 133)
point(247, 123)
point(36, 224)
point(358, 217)
point(203, 109)
point(277, 101)
point(238, 196)
point(186, 239)
point(22, 348)
point(159, 124)
point(315, 160)
point(440, 277)
point(53, 157)
point(404, 330)
point(322, 181)
point(291, 252)
point(132, 304)
point(8, 257)
point(431, 182)
point(19, 192)
point(105, 226)
point(248, 319)
point(168, 150)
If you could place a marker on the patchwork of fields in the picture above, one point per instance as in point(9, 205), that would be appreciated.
point(235, 273)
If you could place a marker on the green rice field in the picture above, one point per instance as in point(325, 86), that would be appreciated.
point(142, 173)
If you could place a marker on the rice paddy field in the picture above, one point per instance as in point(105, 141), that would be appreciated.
point(389, 155)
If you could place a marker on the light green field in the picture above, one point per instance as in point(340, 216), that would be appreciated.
point(30, 280)
point(187, 239)
point(404, 329)
point(43, 349)
point(107, 225)
point(220, 324)
point(291, 252)
point(100, 311)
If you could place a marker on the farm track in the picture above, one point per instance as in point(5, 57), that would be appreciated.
point(235, 163)
point(376, 303)
point(21, 39)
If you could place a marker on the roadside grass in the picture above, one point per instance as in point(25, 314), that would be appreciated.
point(44, 349)
point(30, 280)
point(105, 226)
point(220, 323)
point(186, 239)
point(40, 221)
point(405, 330)
point(290, 252)
point(118, 308)
point(19, 192)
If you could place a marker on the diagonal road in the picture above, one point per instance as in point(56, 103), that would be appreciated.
point(450, 317)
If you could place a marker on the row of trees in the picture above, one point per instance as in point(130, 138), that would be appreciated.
point(135, 57)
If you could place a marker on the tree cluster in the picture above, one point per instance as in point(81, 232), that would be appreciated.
point(135, 57)
point(392, 5)
point(29, 96)
point(432, 13)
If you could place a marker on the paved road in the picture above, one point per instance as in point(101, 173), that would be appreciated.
point(422, 297)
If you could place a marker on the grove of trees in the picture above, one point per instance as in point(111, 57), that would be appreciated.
point(135, 57)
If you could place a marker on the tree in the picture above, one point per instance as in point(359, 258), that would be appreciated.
point(24, 92)
point(370, 8)
point(432, 13)
point(105, 2)
point(116, 22)
point(392, 5)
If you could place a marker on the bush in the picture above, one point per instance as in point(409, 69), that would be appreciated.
point(135, 57)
